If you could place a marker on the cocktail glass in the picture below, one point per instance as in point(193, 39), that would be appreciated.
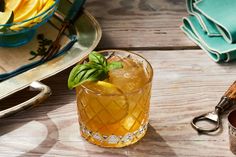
point(114, 112)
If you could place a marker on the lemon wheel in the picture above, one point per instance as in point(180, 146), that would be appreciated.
point(116, 106)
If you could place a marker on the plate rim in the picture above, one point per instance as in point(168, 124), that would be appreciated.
point(10, 82)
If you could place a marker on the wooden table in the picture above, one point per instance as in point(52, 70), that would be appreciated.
point(186, 83)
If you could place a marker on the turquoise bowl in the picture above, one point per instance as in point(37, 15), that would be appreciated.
point(12, 38)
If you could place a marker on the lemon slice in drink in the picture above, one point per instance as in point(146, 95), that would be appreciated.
point(108, 88)
point(26, 9)
point(115, 104)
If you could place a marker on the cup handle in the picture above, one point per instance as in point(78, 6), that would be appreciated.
point(45, 92)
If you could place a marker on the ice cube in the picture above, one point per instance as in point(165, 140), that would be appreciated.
point(131, 77)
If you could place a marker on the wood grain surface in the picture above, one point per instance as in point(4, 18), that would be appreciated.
point(186, 83)
point(141, 24)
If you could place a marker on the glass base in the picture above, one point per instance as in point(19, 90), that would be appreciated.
point(113, 140)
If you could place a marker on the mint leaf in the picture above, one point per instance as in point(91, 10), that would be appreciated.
point(96, 69)
point(97, 58)
point(85, 72)
point(114, 65)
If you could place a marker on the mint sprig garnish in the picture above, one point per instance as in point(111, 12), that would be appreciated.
point(96, 69)
point(97, 59)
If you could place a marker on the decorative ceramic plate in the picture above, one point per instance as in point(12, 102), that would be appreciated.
point(88, 36)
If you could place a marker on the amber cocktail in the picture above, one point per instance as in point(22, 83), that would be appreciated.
point(114, 112)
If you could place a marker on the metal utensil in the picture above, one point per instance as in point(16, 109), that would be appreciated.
point(68, 21)
point(227, 100)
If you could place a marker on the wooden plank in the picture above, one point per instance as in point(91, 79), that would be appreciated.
point(144, 24)
point(186, 83)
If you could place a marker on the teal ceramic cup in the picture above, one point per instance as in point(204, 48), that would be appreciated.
point(14, 38)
